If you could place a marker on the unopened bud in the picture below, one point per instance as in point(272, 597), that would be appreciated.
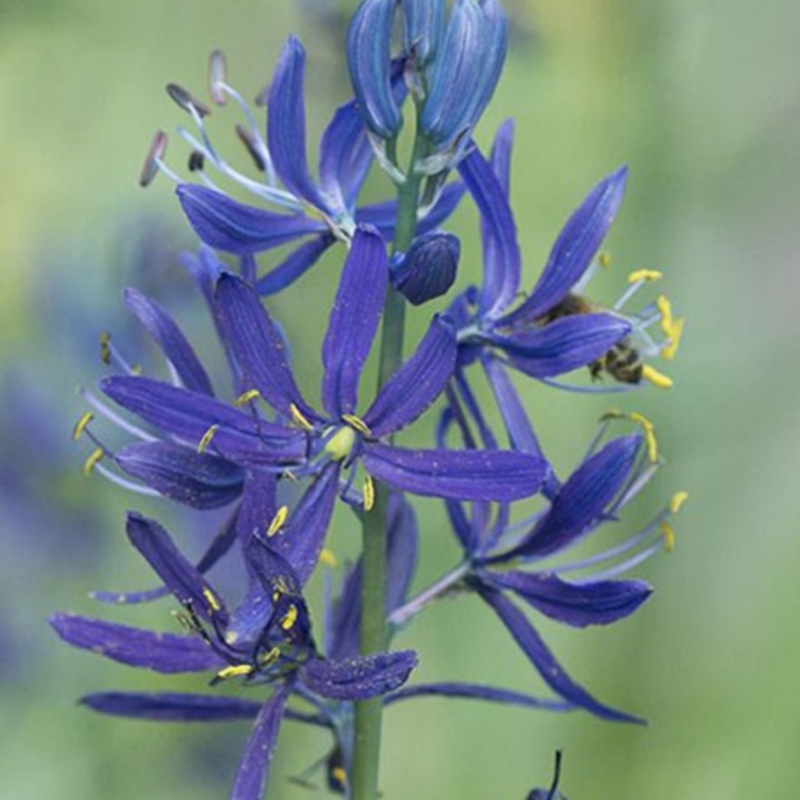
point(428, 269)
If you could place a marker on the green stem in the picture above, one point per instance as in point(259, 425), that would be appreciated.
point(374, 628)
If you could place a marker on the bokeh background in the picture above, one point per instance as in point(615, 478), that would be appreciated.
point(702, 101)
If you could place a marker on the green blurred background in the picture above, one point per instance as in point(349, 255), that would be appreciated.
point(702, 101)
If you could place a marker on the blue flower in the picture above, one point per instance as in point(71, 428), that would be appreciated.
point(266, 639)
point(321, 211)
point(553, 330)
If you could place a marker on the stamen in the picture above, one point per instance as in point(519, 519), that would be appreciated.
point(213, 603)
point(151, 166)
point(270, 657)
point(341, 443)
point(665, 309)
point(678, 499)
point(357, 423)
point(604, 259)
point(649, 431)
point(251, 145)
point(105, 348)
point(246, 397)
point(207, 437)
point(234, 671)
point(217, 74)
point(80, 425)
point(197, 161)
point(645, 275)
point(339, 775)
point(186, 100)
point(658, 379)
point(277, 521)
point(299, 418)
point(668, 534)
point(92, 460)
point(122, 423)
point(287, 623)
point(369, 493)
point(131, 486)
point(327, 558)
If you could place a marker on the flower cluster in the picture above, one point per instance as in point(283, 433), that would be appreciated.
point(282, 463)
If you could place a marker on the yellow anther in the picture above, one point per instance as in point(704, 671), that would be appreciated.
point(299, 418)
point(234, 671)
point(328, 558)
point(658, 379)
point(105, 347)
point(207, 437)
point(93, 460)
point(80, 425)
point(612, 413)
point(678, 499)
point(664, 307)
point(341, 443)
point(645, 275)
point(244, 398)
point(674, 336)
point(280, 587)
point(604, 259)
point(211, 598)
point(287, 623)
point(369, 493)
point(649, 431)
point(277, 521)
point(668, 534)
point(289, 475)
point(270, 657)
point(339, 775)
point(356, 422)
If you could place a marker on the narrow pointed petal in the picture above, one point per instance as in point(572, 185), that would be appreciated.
point(359, 677)
point(295, 265)
point(495, 475)
point(520, 430)
point(189, 416)
point(563, 345)
point(259, 504)
point(418, 382)
point(575, 248)
point(540, 656)
point(252, 775)
point(582, 500)
point(501, 249)
point(170, 339)
point(181, 576)
point(301, 539)
point(369, 60)
point(577, 605)
point(286, 125)
point(172, 707)
point(354, 321)
point(474, 691)
point(195, 479)
point(257, 344)
point(345, 157)
point(167, 653)
point(237, 228)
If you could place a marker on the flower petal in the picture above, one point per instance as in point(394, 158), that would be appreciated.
point(253, 772)
point(354, 320)
point(551, 671)
point(495, 475)
point(172, 707)
point(183, 579)
point(502, 257)
point(562, 345)
point(286, 125)
point(295, 265)
point(582, 500)
point(238, 228)
point(167, 334)
point(167, 653)
point(359, 677)
point(418, 382)
point(257, 344)
point(474, 691)
point(575, 248)
point(199, 480)
point(577, 605)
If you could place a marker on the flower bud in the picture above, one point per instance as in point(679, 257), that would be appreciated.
point(428, 269)
point(424, 27)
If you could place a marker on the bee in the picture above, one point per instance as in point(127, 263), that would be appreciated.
point(622, 361)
